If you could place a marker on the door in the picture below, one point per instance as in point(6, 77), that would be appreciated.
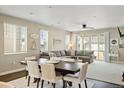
point(98, 46)
point(95, 43)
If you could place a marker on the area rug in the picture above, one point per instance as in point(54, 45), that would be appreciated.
point(108, 72)
point(22, 83)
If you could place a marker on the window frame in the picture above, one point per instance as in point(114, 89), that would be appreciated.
point(43, 30)
point(16, 52)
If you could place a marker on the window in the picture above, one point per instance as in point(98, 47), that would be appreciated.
point(93, 42)
point(15, 39)
point(86, 43)
point(79, 43)
point(43, 40)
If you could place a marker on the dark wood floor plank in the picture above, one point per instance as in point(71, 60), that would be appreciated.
point(13, 76)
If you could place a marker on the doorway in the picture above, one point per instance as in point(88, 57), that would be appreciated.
point(95, 43)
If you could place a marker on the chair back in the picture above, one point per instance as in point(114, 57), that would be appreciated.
point(83, 71)
point(33, 69)
point(6, 85)
point(48, 72)
point(30, 58)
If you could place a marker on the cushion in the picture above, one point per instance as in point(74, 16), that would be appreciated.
point(44, 54)
point(58, 54)
point(84, 57)
point(52, 54)
point(63, 53)
point(73, 52)
point(79, 53)
point(88, 53)
point(68, 53)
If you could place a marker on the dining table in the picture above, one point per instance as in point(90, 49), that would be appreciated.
point(63, 67)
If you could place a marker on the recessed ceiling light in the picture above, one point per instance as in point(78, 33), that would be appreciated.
point(31, 13)
point(50, 7)
point(58, 23)
point(94, 16)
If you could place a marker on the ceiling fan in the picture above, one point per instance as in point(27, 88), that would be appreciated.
point(85, 27)
point(120, 33)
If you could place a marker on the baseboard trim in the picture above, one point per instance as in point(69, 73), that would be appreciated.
point(12, 71)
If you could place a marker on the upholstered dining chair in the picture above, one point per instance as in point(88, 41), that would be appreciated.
point(79, 77)
point(49, 74)
point(29, 58)
point(33, 71)
point(6, 85)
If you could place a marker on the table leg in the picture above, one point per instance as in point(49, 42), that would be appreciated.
point(63, 84)
point(69, 83)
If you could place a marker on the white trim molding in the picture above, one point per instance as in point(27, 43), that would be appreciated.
point(12, 71)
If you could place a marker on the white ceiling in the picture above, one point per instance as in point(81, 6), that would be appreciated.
point(70, 17)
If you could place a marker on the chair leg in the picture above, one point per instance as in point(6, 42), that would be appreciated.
point(38, 82)
point(85, 83)
point(79, 85)
point(54, 84)
point(26, 74)
point(63, 83)
point(28, 80)
point(66, 84)
point(42, 83)
point(48, 82)
point(35, 80)
point(69, 83)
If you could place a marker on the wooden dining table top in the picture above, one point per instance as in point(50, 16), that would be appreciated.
point(68, 67)
point(62, 66)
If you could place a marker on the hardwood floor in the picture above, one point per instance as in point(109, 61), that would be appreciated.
point(13, 76)
point(98, 84)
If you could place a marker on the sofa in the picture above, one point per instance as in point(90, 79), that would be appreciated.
point(85, 56)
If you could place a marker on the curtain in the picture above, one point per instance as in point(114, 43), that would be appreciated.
point(107, 46)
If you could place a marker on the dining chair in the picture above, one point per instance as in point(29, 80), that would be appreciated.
point(79, 77)
point(49, 74)
point(6, 85)
point(33, 71)
point(29, 58)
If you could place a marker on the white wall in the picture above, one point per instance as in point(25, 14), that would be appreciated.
point(11, 62)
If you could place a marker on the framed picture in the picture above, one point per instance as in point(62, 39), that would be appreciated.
point(114, 42)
